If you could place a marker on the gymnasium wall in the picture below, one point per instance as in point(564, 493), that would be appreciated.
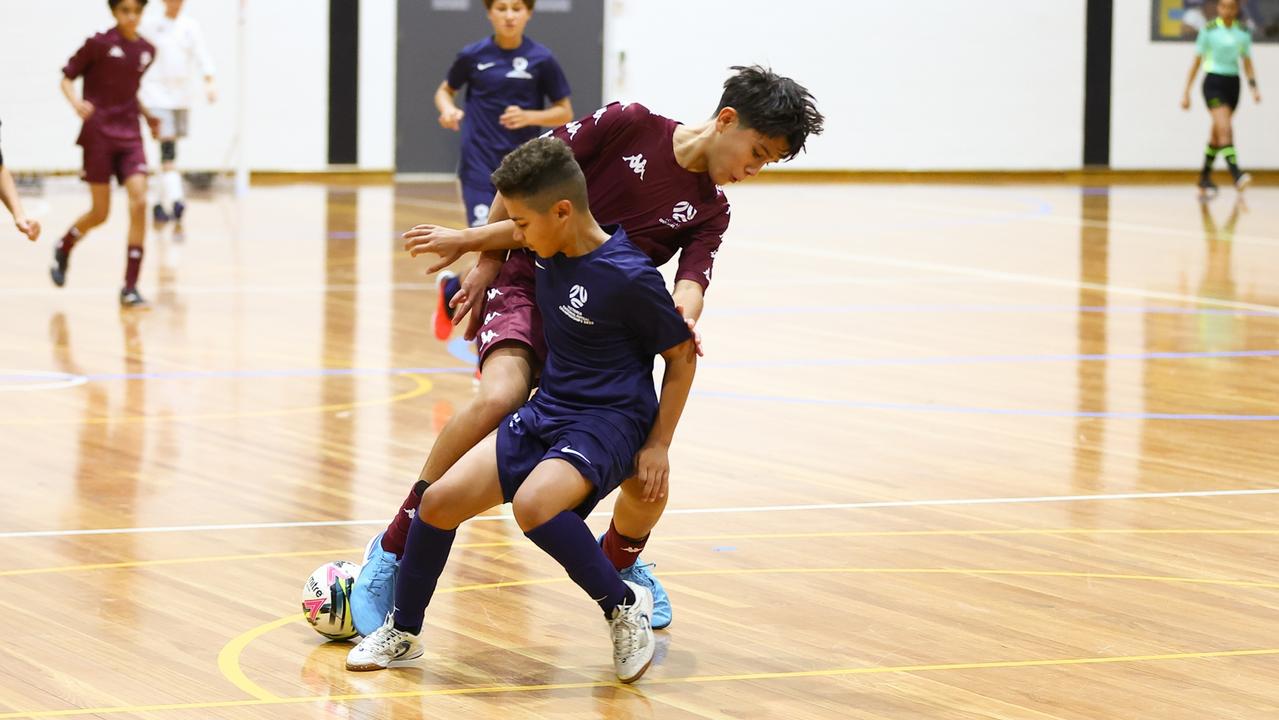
point(1148, 127)
point(931, 84)
point(287, 52)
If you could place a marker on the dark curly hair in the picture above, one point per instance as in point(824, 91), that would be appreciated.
point(540, 173)
point(772, 105)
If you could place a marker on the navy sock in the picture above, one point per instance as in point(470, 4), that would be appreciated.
point(425, 553)
point(567, 539)
point(451, 286)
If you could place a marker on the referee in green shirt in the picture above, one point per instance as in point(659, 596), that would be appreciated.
point(1219, 48)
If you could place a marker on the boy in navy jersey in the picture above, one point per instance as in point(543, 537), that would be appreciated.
point(660, 180)
point(111, 64)
point(594, 422)
point(508, 79)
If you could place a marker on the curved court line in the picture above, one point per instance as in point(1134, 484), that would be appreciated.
point(422, 386)
point(12, 380)
point(228, 661)
point(874, 504)
point(352, 551)
point(978, 410)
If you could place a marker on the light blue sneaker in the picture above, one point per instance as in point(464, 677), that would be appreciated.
point(640, 574)
point(373, 595)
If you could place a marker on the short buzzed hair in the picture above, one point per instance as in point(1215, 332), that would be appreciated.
point(540, 173)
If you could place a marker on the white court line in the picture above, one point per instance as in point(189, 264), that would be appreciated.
point(1002, 276)
point(60, 380)
point(680, 511)
point(231, 289)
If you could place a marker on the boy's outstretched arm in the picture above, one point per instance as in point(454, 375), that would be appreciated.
point(652, 463)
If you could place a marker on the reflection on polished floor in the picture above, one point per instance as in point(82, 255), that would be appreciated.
point(955, 451)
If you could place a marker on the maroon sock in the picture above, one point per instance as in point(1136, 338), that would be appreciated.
point(621, 550)
point(397, 533)
point(69, 240)
point(134, 266)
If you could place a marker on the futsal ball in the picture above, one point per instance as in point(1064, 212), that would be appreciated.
point(326, 599)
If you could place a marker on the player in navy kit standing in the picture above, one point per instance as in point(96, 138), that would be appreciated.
point(594, 422)
point(112, 64)
point(659, 179)
point(508, 79)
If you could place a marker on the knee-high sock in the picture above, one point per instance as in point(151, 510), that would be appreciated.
point(567, 539)
point(172, 184)
point(425, 554)
point(1210, 156)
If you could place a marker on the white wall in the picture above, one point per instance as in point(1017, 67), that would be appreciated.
point(287, 53)
point(930, 84)
point(1148, 128)
point(377, 84)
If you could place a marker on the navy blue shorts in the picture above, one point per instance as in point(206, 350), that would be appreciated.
point(603, 454)
point(477, 198)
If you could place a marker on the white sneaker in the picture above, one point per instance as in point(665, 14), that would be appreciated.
point(385, 648)
point(632, 628)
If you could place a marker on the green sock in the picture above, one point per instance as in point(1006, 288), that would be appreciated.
point(1210, 156)
point(1228, 152)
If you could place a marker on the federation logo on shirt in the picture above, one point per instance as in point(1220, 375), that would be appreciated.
point(521, 69)
point(637, 163)
point(115, 51)
point(680, 214)
point(577, 296)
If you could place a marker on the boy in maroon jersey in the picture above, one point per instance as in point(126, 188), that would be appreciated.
point(660, 180)
point(112, 64)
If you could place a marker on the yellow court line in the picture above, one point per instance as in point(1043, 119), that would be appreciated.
point(229, 663)
point(830, 672)
point(423, 386)
point(339, 552)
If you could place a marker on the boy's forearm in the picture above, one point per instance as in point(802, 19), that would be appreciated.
point(9, 195)
point(68, 90)
point(677, 382)
point(689, 296)
point(498, 235)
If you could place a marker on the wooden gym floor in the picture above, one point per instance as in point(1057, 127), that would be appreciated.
point(955, 451)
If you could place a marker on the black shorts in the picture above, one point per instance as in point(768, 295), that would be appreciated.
point(1221, 90)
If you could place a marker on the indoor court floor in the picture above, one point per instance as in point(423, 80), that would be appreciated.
point(955, 451)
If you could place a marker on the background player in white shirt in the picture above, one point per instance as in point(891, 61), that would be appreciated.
point(166, 92)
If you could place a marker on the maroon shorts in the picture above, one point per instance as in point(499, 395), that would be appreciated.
point(105, 156)
point(510, 309)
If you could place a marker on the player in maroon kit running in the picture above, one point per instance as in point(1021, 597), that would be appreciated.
point(112, 64)
point(658, 179)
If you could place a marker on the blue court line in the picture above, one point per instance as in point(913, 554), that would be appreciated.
point(962, 410)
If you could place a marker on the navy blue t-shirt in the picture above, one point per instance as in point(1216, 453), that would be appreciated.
point(495, 78)
point(606, 314)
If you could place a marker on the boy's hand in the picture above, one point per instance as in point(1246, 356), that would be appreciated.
point(452, 119)
point(692, 329)
point(30, 228)
point(445, 242)
point(83, 108)
point(653, 468)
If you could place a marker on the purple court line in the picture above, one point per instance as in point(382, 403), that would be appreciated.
point(995, 309)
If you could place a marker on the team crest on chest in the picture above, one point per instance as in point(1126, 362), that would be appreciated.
point(520, 69)
point(577, 296)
